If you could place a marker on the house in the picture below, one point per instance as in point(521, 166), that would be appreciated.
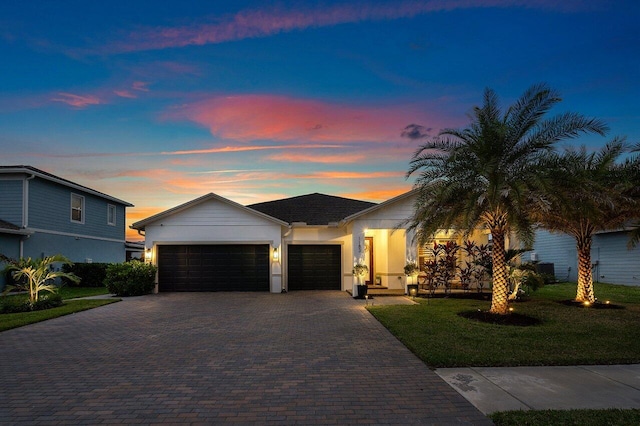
point(611, 259)
point(42, 215)
point(309, 242)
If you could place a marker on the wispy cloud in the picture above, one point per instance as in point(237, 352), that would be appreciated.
point(266, 22)
point(77, 101)
point(279, 118)
point(318, 158)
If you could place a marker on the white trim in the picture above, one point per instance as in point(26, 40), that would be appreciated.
point(82, 209)
point(115, 212)
point(141, 224)
point(70, 234)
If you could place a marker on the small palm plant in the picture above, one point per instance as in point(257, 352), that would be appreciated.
point(36, 275)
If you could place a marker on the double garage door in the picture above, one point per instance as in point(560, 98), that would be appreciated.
point(230, 267)
point(245, 267)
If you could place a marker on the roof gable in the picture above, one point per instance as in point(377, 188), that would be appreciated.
point(140, 225)
point(382, 206)
point(312, 209)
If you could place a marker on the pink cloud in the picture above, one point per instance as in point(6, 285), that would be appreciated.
point(78, 101)
point(125, 94)
point(140, 86)
point(278, 118)
point(266, 22)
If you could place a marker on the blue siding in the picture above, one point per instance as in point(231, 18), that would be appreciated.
point(77, 250)
point(11, 201)
point(616, 263)
point(613, 262)
point(50, 209)
point(559, 249)
point(10, 247)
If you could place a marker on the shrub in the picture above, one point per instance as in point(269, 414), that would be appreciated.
point(92, 274)
point(133, 278)
point(15, 304)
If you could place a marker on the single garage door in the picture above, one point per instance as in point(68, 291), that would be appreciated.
point(213, 267)
point(314, 267)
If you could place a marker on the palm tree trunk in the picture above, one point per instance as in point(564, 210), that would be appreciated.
point(500, 297)
point(585, 277)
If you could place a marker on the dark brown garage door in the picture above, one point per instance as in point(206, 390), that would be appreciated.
point(213, 268)
point(314, 267)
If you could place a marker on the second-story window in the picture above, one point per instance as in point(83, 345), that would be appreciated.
point(111, 214)
point(77, 208)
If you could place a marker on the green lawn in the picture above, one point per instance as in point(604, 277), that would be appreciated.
point(9, 321)
point(567, 336)
point(68, 292)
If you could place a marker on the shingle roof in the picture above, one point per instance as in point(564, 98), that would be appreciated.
point(7, 225)
point(313, 209)
point(58, 179)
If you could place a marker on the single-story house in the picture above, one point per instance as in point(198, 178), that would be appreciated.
point(309, 242)
point(611, 259)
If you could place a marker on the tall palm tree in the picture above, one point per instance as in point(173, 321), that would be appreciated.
point(590, 192)
point(488, 175)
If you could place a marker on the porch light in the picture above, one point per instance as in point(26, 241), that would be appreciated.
point(276, 255)
point(147, 255)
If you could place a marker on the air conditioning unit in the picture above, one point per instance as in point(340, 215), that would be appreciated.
point(534, 256)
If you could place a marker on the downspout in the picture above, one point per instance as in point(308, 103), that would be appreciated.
point(25, 211)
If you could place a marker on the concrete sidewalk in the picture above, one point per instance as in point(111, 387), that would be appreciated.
point(493, 389)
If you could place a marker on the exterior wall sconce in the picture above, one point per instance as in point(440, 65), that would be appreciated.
point(276, 255)
point(147, 255)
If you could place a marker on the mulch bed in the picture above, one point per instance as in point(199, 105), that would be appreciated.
point(595, 305)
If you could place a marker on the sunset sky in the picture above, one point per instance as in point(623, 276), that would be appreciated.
point(160, 102)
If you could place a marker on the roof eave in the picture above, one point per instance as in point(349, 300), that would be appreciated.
point(35, 172)
point(140, 225)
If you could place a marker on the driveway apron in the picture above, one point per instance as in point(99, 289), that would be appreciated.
point(298, 358)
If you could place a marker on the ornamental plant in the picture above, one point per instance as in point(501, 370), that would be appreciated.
point(36, 275)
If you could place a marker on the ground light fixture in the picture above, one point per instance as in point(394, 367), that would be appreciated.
point(413, 291)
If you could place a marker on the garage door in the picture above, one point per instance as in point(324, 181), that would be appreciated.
point(314, 267)
point(213, 268)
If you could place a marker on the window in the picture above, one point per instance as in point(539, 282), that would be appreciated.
point(77, 208)
point(111, 214)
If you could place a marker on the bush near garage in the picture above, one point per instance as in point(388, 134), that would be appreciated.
point(92, 274)
point(133, 278)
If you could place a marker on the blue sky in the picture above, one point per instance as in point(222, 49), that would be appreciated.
point(160, 102)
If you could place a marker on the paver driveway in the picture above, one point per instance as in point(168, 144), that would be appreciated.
point(210, 358)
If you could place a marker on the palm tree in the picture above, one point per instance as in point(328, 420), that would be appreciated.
point(589, 193)
point(36, 275)
point(487, 174)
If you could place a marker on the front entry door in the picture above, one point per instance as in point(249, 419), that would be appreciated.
point(368, 258)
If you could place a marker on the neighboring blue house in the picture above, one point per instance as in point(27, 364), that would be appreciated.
point(42, 215)
point(612, 261)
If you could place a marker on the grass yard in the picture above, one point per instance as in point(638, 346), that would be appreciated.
point(567, 335)
point(68, 292)
point(13, 320)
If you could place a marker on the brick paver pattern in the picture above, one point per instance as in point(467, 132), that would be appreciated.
point(219, 358)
